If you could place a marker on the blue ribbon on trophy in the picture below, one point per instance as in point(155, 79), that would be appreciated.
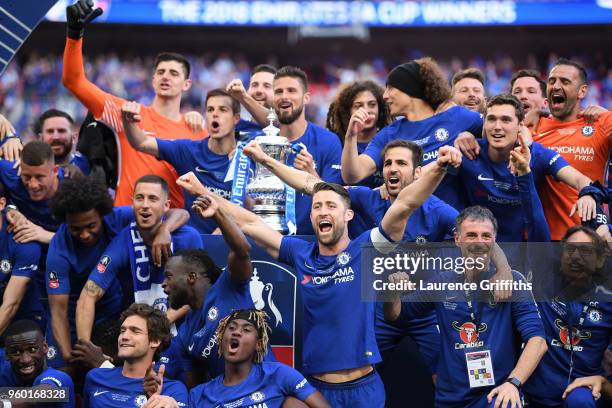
point(296, 148)
point(239, 172)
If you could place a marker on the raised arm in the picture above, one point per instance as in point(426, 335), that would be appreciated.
point(257, 112)
point(355, 167)
point(130, 116)
point(533, 213)
point(413, 195)
point(249, 223)
point(73, 72)
point(238, 260)
point(300, 180)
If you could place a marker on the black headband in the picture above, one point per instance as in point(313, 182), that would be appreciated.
point(407, 78)
point(249, 316)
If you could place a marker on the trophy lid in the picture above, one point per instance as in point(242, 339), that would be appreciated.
point(271, 132)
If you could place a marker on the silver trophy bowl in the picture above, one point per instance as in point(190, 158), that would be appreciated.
point(267, 190)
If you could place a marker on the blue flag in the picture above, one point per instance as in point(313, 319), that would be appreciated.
point(17, 21)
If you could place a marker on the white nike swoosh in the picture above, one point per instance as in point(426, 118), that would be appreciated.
point(308, 266)
point(99, 393)
point(201, 170)
point(93, 124)
point(481, 178)
point(190, 347)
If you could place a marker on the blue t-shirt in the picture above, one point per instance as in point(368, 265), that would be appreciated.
point(433, 221)
point(36, 211)
point(331, 298)
point(81, 162)
point(590, 340)
point(497, 329)
point(69, 264)
point(432, 133)
point(210, 168)
point(196, 336)
point(493, 186)
point(109, 388)
point(49, 376)
point(326, 150)
point(20, 260)
point(267, 385)
point(129, 260)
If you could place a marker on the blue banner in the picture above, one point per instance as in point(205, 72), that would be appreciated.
point(17, 21)
point(334, 13)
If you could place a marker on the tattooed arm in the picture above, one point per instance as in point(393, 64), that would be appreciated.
point(86, 309)
point(300, 180)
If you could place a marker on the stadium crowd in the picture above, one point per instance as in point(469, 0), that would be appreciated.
point(108, 293)
point(31, 86)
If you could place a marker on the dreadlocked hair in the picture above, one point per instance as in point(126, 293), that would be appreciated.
point(259, 318)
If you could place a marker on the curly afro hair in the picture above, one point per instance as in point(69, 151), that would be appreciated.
point(80, 195)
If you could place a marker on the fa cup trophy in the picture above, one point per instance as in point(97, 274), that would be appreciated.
point(267, 190)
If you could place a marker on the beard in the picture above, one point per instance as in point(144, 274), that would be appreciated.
point(67, 149)
point(334, 238)
point(289, 118)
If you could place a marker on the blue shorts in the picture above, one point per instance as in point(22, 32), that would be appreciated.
point(582, 398)
point(365, 392)
point(579, 398)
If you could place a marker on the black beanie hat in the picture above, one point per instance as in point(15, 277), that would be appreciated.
point(407, 78)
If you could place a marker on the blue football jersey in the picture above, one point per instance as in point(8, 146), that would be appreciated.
point(584, 345)
point(267, 385)
point(433, 221)
point(20, 260)
point(500, 327)
point(247, 129)
point(57, 379)
point(493, 186)
point(432, 133)
point(69, 264)
point(210, 168)
point(132, 264)
point(81, 162)
point(325, 148)
point(49, 376)
point(196, 336)
point(109, 388)
point(36, 211)
point(338, 327)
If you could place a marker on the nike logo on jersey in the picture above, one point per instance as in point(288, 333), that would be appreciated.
point(201, 170)
point(99, 393)
point(190, 347)
point(482, 178)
